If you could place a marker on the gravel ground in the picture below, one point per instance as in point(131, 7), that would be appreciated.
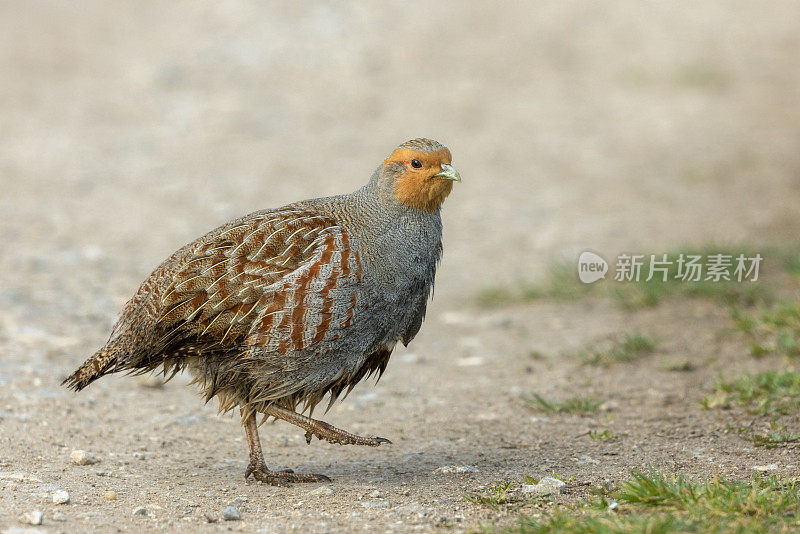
point(128, 129)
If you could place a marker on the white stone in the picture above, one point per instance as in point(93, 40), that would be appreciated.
point(61, 497)
point(82, 458)
point(457, 469)
point(376, 504)
point(546, 486)
point(33, 518)
point(470, 361)
point(768, 467)
point(229, 513)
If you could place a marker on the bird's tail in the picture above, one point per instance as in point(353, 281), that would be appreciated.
point(106, 360)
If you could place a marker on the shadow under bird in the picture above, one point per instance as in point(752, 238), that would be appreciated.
point(275, 310)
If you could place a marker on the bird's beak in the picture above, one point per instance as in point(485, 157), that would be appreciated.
point(449, 173)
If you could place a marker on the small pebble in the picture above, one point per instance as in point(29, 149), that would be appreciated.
point(376, 504)
point(82, 458)
point(457, 469)
point(59, 517)
point(322, 490)
point(470, 361)
point(139, 455)
point(375, 494)
point(140, 510)
point(20, 477)
point(763, 468)
point(546, 486)
point(110, 496)
point(33, 518)
point(229, 513)
point(61, 497)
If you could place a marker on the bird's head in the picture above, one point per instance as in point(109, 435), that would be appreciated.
point(422, 174)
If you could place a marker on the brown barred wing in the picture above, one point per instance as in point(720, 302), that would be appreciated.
point(238, 277)
point(314, 304)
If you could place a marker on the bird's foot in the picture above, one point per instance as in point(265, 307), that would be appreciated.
point(330, 433)
point(260, 472)
point(321, 429)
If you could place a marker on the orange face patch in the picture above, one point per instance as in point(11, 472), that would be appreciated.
point(419, 188)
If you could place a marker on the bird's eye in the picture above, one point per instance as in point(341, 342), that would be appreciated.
point(417, 164)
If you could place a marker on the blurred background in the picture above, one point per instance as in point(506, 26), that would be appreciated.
point(128, 129)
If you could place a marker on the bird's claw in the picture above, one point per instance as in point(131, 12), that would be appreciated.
point(280, 478)
point(334, 435)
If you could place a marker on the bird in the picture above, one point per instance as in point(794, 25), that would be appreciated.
point(274, 311)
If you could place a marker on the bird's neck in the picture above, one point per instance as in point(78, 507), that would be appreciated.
point(391, 235)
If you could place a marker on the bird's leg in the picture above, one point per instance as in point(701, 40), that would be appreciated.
point(321, 429)
point(258, 468)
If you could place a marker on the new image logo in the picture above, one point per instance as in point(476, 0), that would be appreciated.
point(591, 267)
point(683, 267)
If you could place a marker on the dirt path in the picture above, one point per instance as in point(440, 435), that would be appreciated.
point(126, 131)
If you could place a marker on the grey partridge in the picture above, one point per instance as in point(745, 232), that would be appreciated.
point(275, 310)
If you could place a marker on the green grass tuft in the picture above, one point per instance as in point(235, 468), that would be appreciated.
point(496, 497)
point(774, 331)
point(626, 348)
point(773, 437)
point(681, 365)
point(572, 405)
point(490, 297)
point(791, 259)
point(653, 502)
point(769, 392)
point(605, 435)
